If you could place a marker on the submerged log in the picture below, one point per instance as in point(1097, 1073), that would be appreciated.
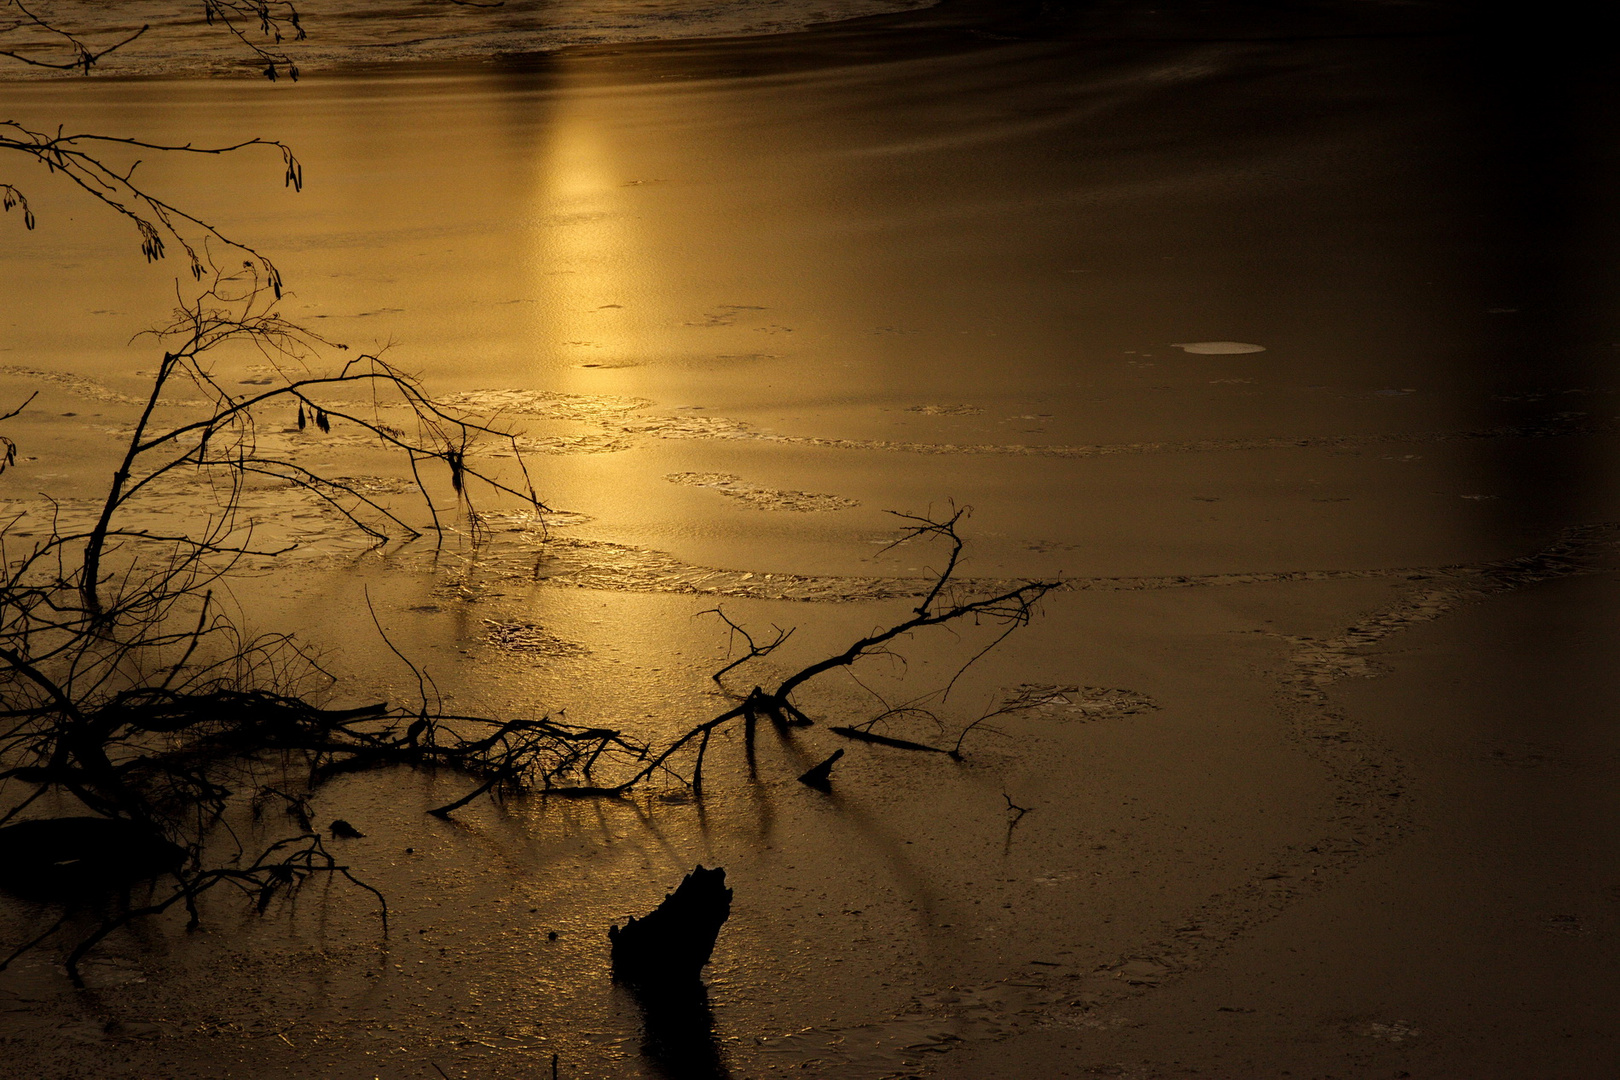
point(79, 856)
point(670, 946)
point(820, 776)
point(884, 740)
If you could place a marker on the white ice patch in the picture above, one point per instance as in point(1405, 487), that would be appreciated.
point(762, 498)
point(1217, 348)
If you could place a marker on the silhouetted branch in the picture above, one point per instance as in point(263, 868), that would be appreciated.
point(755, 650)
point(1021, 700)
point(8, 449)
point(80, 56)
point(79, 159)
point(274, 17)
point(223, 438)
point(942, 604)
point(52, 45)
point(123, 687)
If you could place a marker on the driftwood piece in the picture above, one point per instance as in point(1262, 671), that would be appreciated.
point(670, 946)
point(79, 856)
point(819, 776)
point(862, 735)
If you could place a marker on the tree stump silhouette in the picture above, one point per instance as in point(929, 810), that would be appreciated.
point(660, 958)
point(671, 945)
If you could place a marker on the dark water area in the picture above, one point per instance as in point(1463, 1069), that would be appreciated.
point(1546, 148)
point(1283, 336)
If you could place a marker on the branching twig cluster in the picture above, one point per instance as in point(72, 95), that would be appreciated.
point(755, 650)
point(8, 448)
point(75, 631)
point(40, 40)
point(946, 601)
point(275, 20)
point(82, 159)
point(133, 694)
point(126, 689)
point(54, 46)
point(87, 160)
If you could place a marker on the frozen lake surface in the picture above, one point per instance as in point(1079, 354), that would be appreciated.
point(1223, 328)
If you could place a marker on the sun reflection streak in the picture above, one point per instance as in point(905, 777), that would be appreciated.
point(585, 250)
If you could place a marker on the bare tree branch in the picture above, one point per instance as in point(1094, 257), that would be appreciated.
point(81, 56)
point(79, 159)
